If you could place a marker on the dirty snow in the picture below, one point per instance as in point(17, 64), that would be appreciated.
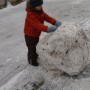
point(66, 49)
point(15, 72)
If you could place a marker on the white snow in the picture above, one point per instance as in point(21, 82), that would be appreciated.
point(12, 82)
point(76, 2)
point(83, 84)
point(15, 72)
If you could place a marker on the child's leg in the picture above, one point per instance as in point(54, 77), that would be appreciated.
point(31, 43)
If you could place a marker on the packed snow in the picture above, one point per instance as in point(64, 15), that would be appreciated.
point(66, 49)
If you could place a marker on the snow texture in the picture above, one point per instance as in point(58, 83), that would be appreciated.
point(66, 49)
point(15, 72)
point(83, 84)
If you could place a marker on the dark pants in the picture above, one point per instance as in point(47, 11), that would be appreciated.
point(31, 43)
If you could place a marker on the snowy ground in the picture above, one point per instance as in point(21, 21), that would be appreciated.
point(15, 72)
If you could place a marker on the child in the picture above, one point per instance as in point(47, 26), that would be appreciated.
point(34, 24)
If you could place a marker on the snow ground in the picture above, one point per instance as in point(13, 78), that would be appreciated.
point(15, 72)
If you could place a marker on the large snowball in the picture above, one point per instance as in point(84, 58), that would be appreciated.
point(66, 49)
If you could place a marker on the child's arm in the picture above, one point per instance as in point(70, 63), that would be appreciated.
point(36, 23)
point(49, 19)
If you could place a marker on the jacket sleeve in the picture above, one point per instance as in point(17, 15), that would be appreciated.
point(49, 19)
point(36, 23)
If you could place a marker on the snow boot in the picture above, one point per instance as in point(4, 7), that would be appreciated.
point(33, 62)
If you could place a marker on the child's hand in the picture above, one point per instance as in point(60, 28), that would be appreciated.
point(57, 23)
point(51, 29)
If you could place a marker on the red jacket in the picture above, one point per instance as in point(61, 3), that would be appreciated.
point(34, 23)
